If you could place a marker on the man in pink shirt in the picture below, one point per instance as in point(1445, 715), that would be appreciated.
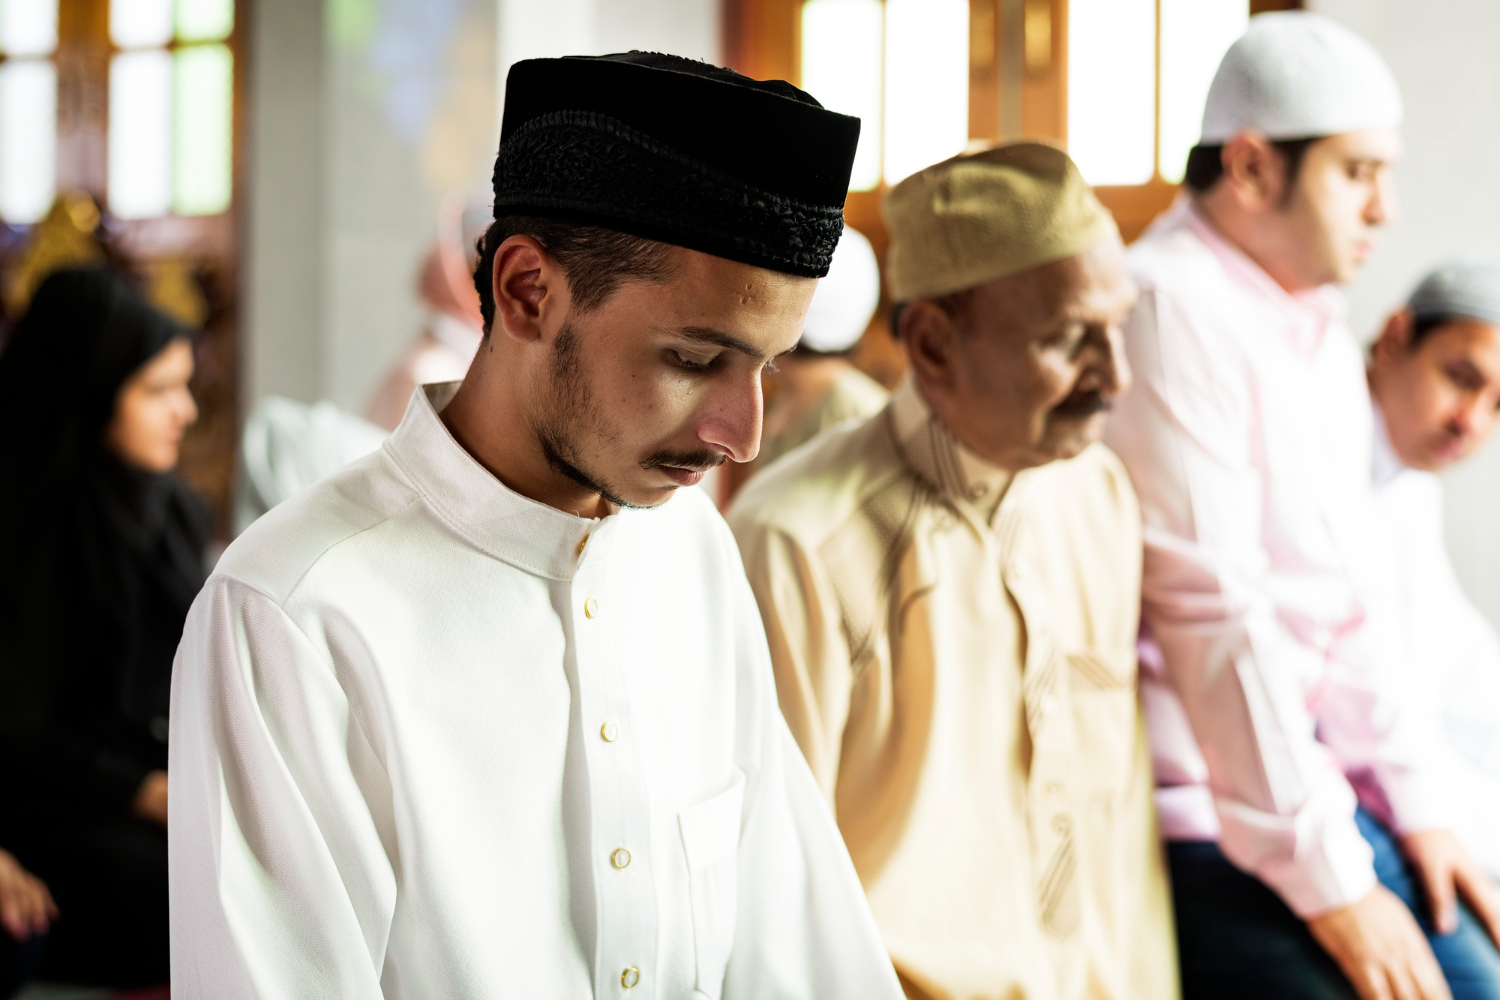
point(1269, 646)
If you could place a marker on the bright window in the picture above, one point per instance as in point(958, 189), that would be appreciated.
point(28, 27)
point(28, 109)
point(171, 108)
point(28, 139)
point(1124, 127)
point(201, 140)
point(1112, 89)
point(841, 67)
point(902, 67)
point(1195, 34)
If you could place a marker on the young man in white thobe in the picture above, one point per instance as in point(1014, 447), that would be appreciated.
point(1270, 672)
point(1434, 377)
point(490, 713)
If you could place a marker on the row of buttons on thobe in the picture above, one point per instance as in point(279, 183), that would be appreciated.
point(609, 732)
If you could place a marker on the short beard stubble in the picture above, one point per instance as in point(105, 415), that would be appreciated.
point(570, 414)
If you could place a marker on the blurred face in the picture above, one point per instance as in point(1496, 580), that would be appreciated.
point(154, 409)
point(1025, 368)
point(662, 382)
point(1342, 194)
point(1440, 398)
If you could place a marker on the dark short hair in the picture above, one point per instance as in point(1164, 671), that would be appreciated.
point(1423, 325)
point(597, 261)
point(1205, 164)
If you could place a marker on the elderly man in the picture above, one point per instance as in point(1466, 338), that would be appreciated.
point(950, 589)
point(489, 714)
point(1434, 376)
point(1269, 660)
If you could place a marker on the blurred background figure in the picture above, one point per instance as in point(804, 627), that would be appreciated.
point(1434, 377)
point(287, 446)
point(26, 911)
point(103, 553)
point(452, 328)
point(817, 386)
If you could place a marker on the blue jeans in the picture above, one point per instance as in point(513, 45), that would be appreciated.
point(1237, 940)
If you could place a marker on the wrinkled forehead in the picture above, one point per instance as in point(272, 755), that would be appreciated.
point(1092, 287)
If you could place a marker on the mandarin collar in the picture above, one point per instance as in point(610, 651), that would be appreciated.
point(1308, 315)
point(940, 459)
point(489, 515)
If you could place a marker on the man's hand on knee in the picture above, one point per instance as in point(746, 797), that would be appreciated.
point(1378, 945)
point(1447, 872)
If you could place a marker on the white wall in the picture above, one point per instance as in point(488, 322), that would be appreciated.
point(1446, 56)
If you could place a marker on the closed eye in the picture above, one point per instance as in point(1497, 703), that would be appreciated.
point(690, 363)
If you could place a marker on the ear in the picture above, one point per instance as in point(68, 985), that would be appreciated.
point(1254, 172)
point(930, 335)
point(529, 289)
point(1395, 340)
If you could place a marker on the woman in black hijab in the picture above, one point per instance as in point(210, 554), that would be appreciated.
point(101, 553)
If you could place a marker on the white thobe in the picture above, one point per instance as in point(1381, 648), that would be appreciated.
point(1269, 670)
point(433, 739)
point(1451, 650)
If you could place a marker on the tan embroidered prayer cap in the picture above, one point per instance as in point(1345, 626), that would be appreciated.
point(987, 214)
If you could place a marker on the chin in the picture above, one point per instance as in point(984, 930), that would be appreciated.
point(646, 497)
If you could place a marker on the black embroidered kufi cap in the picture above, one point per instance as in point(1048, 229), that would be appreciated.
point(678, 151)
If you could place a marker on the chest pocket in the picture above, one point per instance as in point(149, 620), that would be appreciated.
point(711, 838)
point(1103, 690)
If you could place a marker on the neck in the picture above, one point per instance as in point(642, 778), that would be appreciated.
point(1256, 236)
point(489, 418)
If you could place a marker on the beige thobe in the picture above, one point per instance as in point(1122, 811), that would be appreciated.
point(955, 653)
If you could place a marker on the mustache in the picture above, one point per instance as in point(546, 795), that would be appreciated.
point(696, 461)
point(1083, 404)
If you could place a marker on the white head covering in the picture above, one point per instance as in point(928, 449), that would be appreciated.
point(1466, 288)
point(1297, 75)
point(846, 299)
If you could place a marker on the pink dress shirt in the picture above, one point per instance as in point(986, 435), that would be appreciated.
point(1269, 644)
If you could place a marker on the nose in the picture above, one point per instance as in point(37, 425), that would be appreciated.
point(1476, 417)
point(1113, 367)
point(1382, 208)
point(731, 419)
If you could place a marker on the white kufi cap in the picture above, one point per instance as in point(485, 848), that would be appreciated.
point(1297, 75)
point(846, 299)
point(1466, 288)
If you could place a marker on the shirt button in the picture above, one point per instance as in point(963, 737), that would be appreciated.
point(609, 732)
point(591, 608)
point(620, 858)
point(630, 977)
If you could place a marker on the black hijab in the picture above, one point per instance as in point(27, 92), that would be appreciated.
point(99, 561)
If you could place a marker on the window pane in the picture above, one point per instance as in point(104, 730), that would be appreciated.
point(1112, 89)
point(28, 27)
point(202, 124)
point(841, 68)
point(926, 83)
point(140, 134)
point(204, 20)
point(28, 139)
point(139, 24)
point(1194, 36)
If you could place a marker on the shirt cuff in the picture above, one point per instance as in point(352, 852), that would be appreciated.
point(1316, 860)
point(1415, 799)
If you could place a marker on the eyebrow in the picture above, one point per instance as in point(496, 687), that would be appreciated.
point(708, 335)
